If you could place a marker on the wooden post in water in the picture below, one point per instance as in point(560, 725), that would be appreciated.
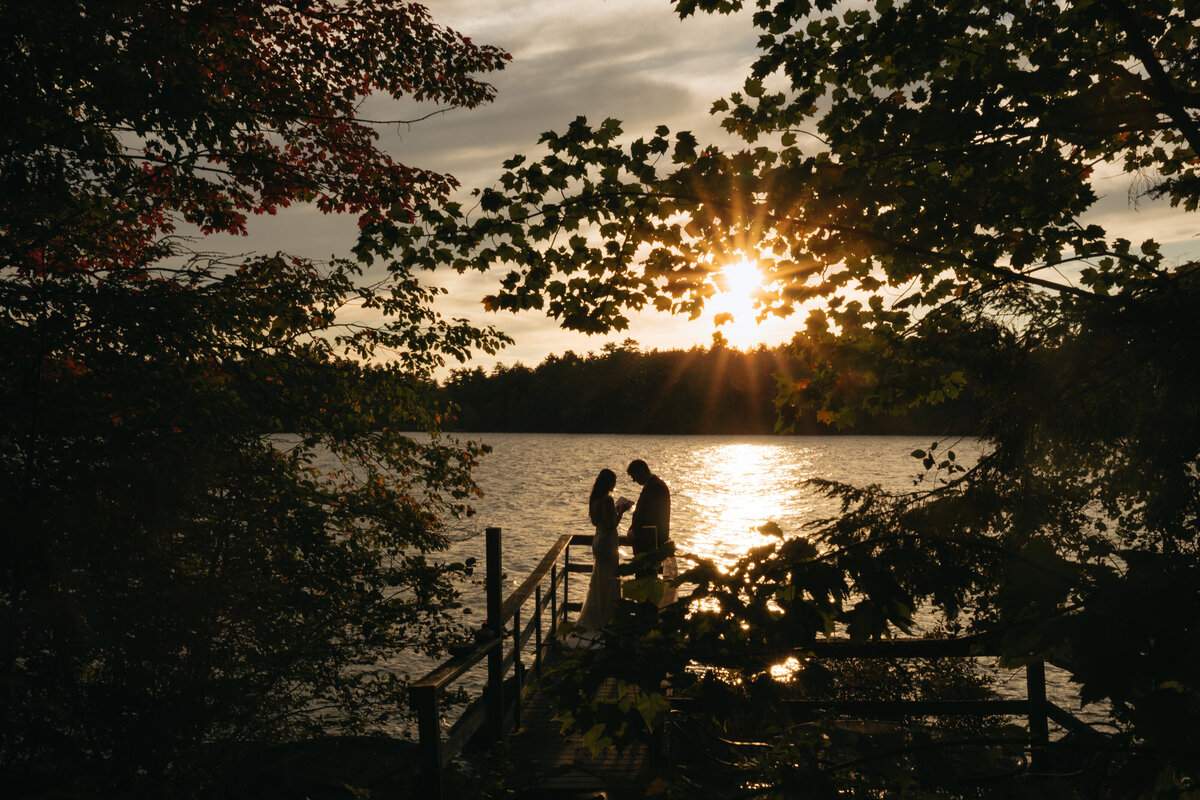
point(495, 683)
point(1039, 730)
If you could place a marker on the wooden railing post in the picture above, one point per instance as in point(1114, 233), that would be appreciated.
point(518, 667)
point(424, 701)
point(566, 579)
point(1039, 730)
point(495, 683)
point(537, 630)
point(554, 599)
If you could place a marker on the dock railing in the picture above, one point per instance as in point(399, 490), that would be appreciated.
point(1037, 710)
point(509, 629)
point(501, 642)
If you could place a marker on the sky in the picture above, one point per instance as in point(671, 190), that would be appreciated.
point(634, 60)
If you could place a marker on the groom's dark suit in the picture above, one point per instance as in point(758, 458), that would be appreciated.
point(653, 508)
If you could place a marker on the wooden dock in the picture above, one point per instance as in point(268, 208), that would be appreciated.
point(547, 764)
point(517, 642)
point(515, 722)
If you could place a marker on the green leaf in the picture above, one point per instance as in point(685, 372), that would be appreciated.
point(643, 590)
point(653, 708)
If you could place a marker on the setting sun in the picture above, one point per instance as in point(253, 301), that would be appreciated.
point(733, 306)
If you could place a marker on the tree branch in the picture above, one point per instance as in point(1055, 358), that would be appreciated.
point(1170, 97)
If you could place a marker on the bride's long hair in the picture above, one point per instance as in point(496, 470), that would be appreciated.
point(606, 481)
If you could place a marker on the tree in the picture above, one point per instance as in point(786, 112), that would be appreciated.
point(174, 581)
point(919, 177)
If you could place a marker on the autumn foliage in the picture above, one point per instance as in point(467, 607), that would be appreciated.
point(173, 583)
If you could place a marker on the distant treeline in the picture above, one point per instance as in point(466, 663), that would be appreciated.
point(624, 389)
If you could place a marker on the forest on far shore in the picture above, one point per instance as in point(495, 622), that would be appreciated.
point(624, 389)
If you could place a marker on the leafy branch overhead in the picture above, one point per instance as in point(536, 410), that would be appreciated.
point(923, 183)
point(915, 149)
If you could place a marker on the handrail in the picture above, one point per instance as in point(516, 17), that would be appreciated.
point(447, 672)
point(623, 539)
point(984, 707)
point(975, 645)
point(525, 590)
point(500, 701)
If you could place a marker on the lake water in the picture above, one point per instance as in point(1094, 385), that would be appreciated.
point(722, 489)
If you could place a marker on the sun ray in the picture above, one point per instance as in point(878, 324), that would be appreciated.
point(734, 313)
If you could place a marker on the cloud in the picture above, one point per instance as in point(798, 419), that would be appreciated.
point(629, 59)
point(634, 61)
point(1123, 209)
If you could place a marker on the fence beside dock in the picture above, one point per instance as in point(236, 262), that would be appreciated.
point(541, 603)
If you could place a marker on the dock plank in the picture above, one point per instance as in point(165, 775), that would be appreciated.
point(548, 764)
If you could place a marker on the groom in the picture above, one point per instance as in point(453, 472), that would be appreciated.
point(653, 509)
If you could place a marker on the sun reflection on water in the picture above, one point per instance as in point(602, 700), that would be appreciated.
point(786, 671)
point(730, 491)
point(733, 489)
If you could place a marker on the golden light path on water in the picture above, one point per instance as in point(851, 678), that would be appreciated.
point(736, 488)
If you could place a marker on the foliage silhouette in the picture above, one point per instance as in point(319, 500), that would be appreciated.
point(173, 583)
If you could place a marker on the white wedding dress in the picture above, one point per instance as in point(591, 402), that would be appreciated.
point(605, 586)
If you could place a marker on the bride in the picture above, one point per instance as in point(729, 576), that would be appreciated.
point(605, 587)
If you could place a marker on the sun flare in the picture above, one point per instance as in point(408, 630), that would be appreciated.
point(733, 305)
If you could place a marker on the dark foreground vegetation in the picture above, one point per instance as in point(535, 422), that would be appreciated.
point(177, 593)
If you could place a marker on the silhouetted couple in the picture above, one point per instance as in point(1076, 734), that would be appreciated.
point(649, 529)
